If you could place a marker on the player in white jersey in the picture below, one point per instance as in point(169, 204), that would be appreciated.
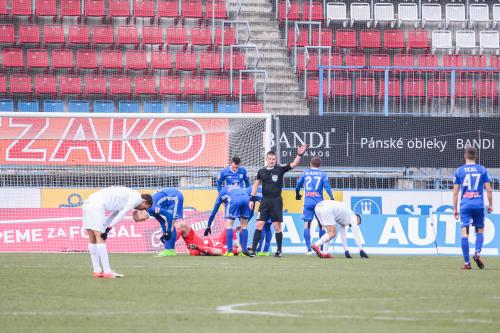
point(117, 200)
point(329, 213)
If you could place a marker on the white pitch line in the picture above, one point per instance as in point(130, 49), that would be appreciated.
point(232, 308)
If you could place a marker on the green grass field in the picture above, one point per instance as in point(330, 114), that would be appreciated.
point(55, 293)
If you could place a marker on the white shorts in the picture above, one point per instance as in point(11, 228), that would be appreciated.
point(94, 217)
point(324, 215)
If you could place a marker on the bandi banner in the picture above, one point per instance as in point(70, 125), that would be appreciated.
point(120, 142)
point(376, 141)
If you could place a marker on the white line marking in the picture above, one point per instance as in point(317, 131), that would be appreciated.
point(231, 308)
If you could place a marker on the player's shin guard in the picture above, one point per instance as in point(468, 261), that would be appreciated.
point(307, 238)
point(243, 239)
point(256, 238)
point(94, 255)
point(465, 249)
point(279, 240)
point(229, 238)
point(479, 242)
point(103, 256)
point(170, 244)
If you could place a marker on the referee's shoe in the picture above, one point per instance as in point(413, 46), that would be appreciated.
point(278, 254)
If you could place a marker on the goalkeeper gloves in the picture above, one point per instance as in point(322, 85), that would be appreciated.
point(165, 237)
point(363, 254)
point(298, 196)
point(207, 232)
point(104, 235)
point(347, 255)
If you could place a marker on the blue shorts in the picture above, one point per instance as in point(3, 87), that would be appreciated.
point(474, 216)
point(176, 207)
point(308, 213)
point(238, 208)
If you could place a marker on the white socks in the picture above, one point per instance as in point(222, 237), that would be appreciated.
point(326, 245)
point(324, 239)
point(103, 255)
point(95, 257)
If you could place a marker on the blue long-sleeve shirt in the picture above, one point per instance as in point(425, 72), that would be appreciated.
point(233, 178)
point(314, 181)
point(225, 196)
point(162, 206)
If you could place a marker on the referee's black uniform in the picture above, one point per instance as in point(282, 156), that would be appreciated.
point(271, 205)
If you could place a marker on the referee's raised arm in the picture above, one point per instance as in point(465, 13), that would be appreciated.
point(300, 152)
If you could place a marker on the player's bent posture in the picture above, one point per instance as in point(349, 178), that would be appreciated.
point(233, 175)
point(329, 213)
point(264, 247)
point(118, 200)
point(471, 178)
point(313, 180)
point(168, 204)
point(236, 201)
point(271, 205)
point(206, 246)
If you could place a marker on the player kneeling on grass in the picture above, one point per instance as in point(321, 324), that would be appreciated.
point(117, 200)
point(330, 212)
point(207, 246)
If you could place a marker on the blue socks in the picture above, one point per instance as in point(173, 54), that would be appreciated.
point(170, 244)
point(479, 242)
point(244, 239)
point(307, 238)
point(261, 241)
point(269, 235)
point(229, 239)
point(465, 249)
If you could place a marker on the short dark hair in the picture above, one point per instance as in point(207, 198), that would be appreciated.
point(236, 160)
point(147, 198)
point(470, 153)
point(316, 162)
point(271, 153)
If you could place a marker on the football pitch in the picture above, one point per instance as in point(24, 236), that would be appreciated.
point(56, 293)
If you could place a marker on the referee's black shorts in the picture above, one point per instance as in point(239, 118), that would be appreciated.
point(271, 208)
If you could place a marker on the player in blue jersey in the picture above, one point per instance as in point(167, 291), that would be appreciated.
point(264, 246)
point(168, 205)
point(470, 179)
point(314, 181)
point(233, 175)
point(236, 201)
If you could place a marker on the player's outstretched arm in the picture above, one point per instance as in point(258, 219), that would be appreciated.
point(489, 194)
point(300, 152)
point(300, 183)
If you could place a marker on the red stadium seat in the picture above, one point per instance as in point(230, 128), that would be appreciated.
point(12, 58)
point(3, 7)
point(393, 91)
point(335, 59)
point(152, 35)
point(70, 8)
point(7, 34)
point(38, 58)
point(46, 8)
point(21, 7)
point(414, 88)
point(95, 8)
point(418, 39)
point(326, 37)
point(380, 60)
point(95, 85)
point(120, 85)
point(302, 38)
point(438, 88)
point(247, 86)
point(192, 9)
point(194, 85)
point(62, 59)
point(495, 61)
point(486, 89)
point(176, 36)
point(70, 85)
point(86, 59)
point(404, 60)
point(53, 34)
point(427, 60)
point(201, 36)
point(29, 33)
point(219, 9)
point(127, 35)
point(135, 60)
point(310, 64)
point(478, 61)
point(313, 88)
point(370, 39)
point(219, 86)
point(111, 59)
point(119, 8)
point(103, 35)
point(464, 88)
point(210, 61)
point(239, 62)
point(316, 14)
point(168, 8)
point(78, 34)
point(229, 36)
point(453, 60)
point(394, 39)
point(366, 87)
point(144, 8)
point(20, 84)
point(160, 60)
point(3, 84)
point(45, 84)
point(355, 59)
point(293, 11)
point(341, 88)
point(145, 85)
point(346, 39)
point(185, 61)
point(170, 85)
point(253, 107)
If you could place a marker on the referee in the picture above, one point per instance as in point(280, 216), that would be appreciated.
point(271, 206)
